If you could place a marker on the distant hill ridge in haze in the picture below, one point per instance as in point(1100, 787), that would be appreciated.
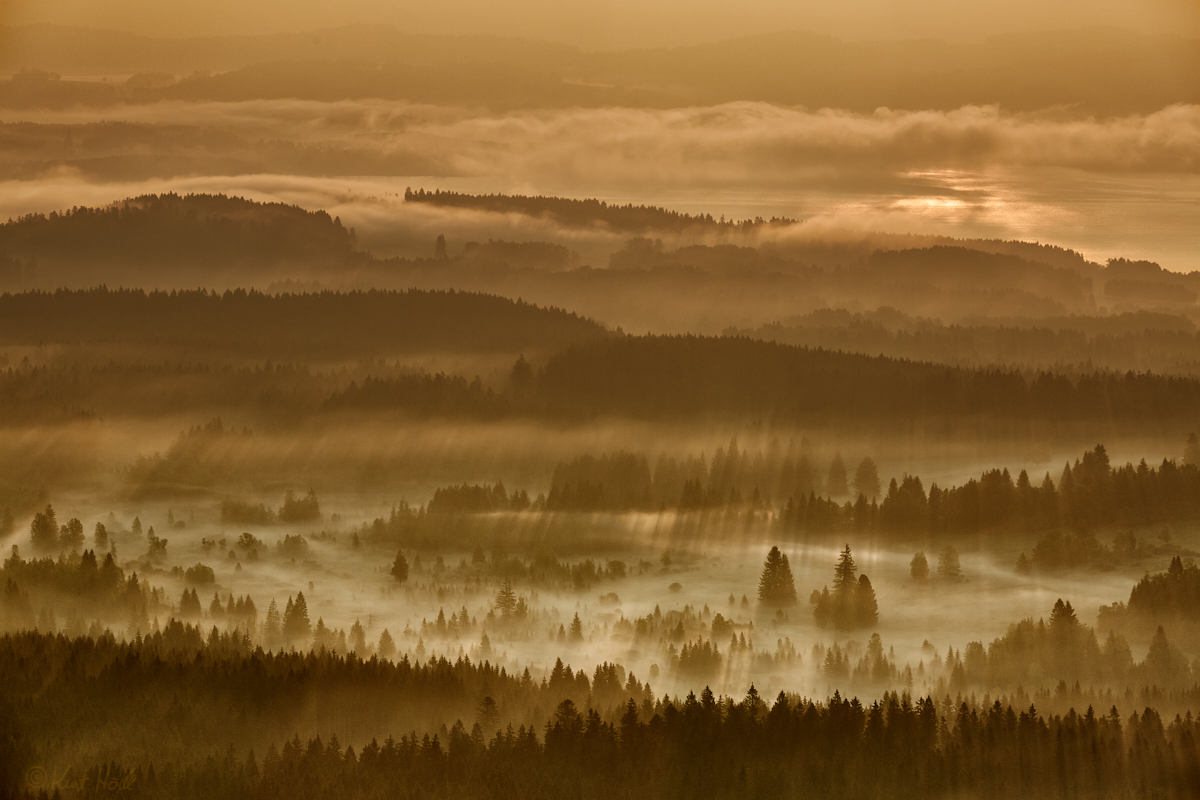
point(1094, 70)
point(628, 218)
point(753, 272)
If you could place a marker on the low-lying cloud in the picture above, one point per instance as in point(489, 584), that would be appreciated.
point(975, 171)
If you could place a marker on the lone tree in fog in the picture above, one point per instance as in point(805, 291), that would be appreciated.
point(948, 566)
point(506, 599)
point(919, 567)
point(866, 479)
point(843, 573)
point(400, 568)
point(776, 586)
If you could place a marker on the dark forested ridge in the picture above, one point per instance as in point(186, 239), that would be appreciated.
point(221, 242)
point(626, 219)
point(684, 378)
point(1135, 341)
point(169, 228)
point(680, 376)
point(352, 325)
point(442, 738)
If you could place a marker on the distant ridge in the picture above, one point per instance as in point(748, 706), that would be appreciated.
point(628, 218)
point(1094, 71)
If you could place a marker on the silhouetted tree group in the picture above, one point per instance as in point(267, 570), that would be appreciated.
point(852, 602)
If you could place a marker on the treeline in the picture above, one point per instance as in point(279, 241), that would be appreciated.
point(927, 269)
point(1088, 495)
point(1069, 651)
point(422, 394)
point(281, 391)
point(688, 376)
point(302, 327)
point(681, 378)
point(1140, 341)
point(274, 393)
point(191, 463)
point(194, 680)
point(294, 509)
point(470, 499)
point(87, 586)
point(587, 213)
point(453, 740)
point(1170, 599)
point(784, 487)
point(646, 288)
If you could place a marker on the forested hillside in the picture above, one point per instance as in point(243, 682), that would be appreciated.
point(353, 325)
point(158, 229)
point(652, 377)
point(1132, 341)
point(566, 734)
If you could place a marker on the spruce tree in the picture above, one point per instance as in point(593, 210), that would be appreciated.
point(919, 567)
point(400, 568)
point(844, 573)
point(506, 599)
point(866, 479)
point(387, 645)
point(776, 587)
point(866, 607)
point(272, 627)
point(296, 625)
point(358, 639)
point(948, 566)
point(43, 531)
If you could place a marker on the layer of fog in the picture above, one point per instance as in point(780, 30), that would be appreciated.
point(394, 459)
point(1124, 187)
point(344, 583)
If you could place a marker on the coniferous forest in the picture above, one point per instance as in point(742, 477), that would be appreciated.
point(599, 400)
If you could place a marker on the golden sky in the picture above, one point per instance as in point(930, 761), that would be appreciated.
point(616, 23)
